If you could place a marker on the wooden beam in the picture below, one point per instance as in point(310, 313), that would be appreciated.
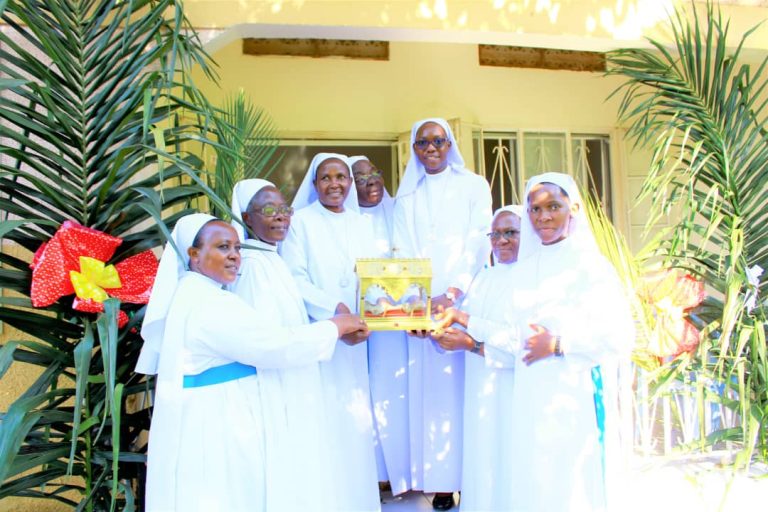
point(317, 48)
point(540, 58)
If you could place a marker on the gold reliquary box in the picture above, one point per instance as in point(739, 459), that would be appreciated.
point(395, 293)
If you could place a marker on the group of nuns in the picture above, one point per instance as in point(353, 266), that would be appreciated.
point(272, 394)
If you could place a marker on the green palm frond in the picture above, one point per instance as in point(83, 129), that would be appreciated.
point(98, 118)
point(246, 140)
point(700, 106)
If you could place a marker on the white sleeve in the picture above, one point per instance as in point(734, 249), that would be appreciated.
point(498, 358)
point(604, 328)
point(234, 330)
point(401, 228)
point(477, 248)
point(485, 331)
point(246, 284)
point(320, 305)
point(502, 341)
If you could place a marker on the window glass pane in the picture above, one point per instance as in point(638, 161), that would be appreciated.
point(591, 159)
point(588, 162)
point(544, 152)
point(500, 155)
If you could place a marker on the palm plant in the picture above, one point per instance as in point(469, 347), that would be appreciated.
point(246, 141)
point(702, 111)
point(96, 112)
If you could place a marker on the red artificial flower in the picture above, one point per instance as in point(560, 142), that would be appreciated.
point(671, 295)
point(73, 262)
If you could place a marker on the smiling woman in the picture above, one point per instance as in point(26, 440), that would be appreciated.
point(268, 215)
point(215, 252)
point(431, 147)
point(550, 211)
point(565, 325)
point(326, 236)
point(205, 353)
point(332, 183)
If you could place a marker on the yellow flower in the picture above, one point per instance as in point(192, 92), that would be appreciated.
point(93, 277)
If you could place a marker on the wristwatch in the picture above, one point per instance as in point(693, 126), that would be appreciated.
point(477, 346)
point(557, 351)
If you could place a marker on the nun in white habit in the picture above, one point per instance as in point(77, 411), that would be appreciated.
point(326, 236)
point(443, 213)
point(379, 208)
point(292, 399)
point(387, 350)
point(489, 379)
point(566, 318)
point(206, 440)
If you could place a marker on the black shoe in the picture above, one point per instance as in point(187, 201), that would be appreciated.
point(443, 501)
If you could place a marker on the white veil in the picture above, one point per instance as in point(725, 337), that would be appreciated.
point(172, 266)
point(517, 209)
point(414, 171)
point(242, 193)
point(579, 231)
point(307, 194)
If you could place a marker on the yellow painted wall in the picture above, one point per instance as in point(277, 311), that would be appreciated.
point(348, 98)
point(419, 80)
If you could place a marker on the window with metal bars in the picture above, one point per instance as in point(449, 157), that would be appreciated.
point(508, 159)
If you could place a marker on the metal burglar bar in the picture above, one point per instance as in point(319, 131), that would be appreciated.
point(508, 159)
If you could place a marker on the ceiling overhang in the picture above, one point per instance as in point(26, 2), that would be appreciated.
point(597, 25)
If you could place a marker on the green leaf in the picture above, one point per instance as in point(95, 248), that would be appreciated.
point(77, 145)
point(700, 109)
point(82, 356)
point(6, 356)
point(10, 225)
point(116, 404)
point(9, 83)
point(17, 422)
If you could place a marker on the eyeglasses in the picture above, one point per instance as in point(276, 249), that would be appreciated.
point(438, 142)
point(363, 179)
point(507, 235)
point(271, 210)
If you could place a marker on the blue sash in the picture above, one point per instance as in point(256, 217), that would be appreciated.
point(597, 383)
point(219, 374)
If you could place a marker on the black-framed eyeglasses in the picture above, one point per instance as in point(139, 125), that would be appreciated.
point(438, 142)
point(507, 235)
point(363, 179)
point(271, 210)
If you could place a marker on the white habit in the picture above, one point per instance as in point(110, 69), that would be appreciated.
point(387, 366)
point(298, 461)
point(552, 457)
point(488, 389)
point(443, 217)
point(320, 250)
point(292, 399)
point(206, 444)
